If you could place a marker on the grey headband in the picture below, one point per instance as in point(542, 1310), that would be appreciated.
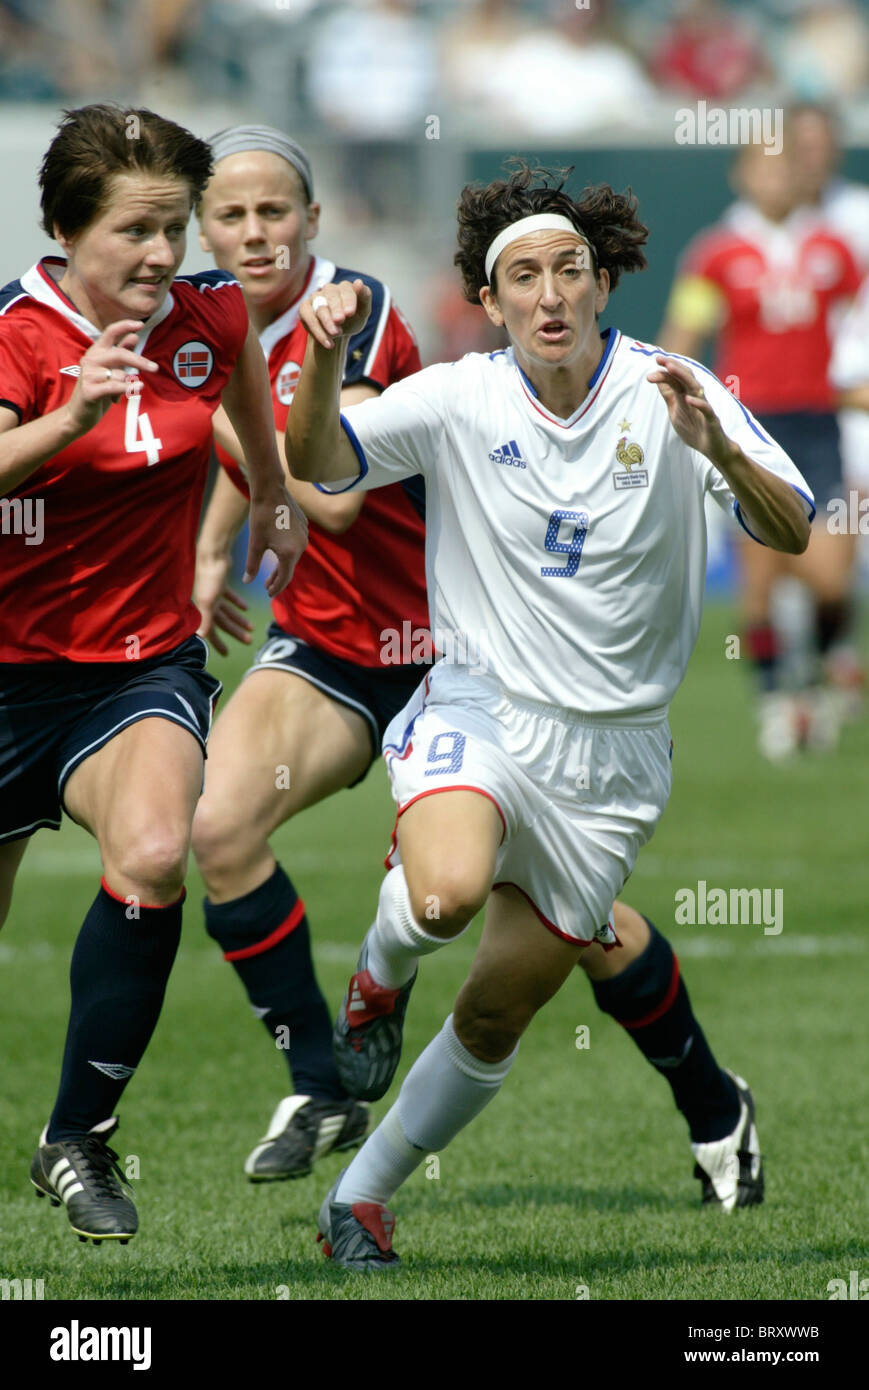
point(238, 138)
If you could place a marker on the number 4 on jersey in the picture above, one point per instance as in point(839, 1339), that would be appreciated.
point(138, 435)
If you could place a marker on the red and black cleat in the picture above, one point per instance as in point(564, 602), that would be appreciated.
point(357, 1237)
point(367, 1037)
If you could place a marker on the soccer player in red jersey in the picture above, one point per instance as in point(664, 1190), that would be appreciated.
point(326, 683)
point(766, 280)
point(111, 366)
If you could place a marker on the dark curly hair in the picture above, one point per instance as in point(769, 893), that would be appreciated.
point(94, 143)
point(608, 220)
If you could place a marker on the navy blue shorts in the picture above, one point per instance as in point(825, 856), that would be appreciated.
point(375, 692)
point(811, 439)
point(53, 715)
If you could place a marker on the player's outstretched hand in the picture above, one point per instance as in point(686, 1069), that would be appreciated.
point(336, 311)
point(221, 609)
point(691, 415)
point(277, 523)
point(103, 378)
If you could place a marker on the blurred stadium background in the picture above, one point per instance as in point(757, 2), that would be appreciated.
point(399, 102)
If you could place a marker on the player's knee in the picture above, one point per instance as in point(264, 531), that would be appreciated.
point(218, 844)
point(489, 1030)
point(445, 904)
point(153, 864)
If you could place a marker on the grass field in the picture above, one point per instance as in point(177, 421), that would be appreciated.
point(580, 1172)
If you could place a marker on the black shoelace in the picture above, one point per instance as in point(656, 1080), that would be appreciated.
point(99, 1165)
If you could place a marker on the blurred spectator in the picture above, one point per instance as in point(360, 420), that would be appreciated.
point(372, 69)
point(823, 53)
point(565, 78)
point(813, 138)
point(708, 51)
point(170, 22)
point(85, 50)
point(474, 47)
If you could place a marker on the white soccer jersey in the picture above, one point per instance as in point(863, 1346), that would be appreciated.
point(567, 557)
point(849, 365)
point(845, 210)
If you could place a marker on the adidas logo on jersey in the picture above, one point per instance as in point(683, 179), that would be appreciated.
point(509, 454)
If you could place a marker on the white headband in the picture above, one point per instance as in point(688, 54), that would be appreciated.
point(540, 222)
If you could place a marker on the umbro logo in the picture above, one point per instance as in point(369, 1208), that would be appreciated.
point(74, 370)
point(116, 1070)
point(509, 454)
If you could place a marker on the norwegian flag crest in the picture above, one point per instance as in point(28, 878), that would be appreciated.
point(192, 363)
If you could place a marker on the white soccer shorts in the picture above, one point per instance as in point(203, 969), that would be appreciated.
point(578, 796)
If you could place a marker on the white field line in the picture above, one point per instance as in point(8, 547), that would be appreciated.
point(715, 943)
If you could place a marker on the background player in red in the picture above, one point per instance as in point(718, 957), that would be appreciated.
point(764, 280)
point(110, 370)
point(322, 688)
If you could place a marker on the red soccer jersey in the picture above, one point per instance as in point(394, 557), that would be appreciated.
point(347, 590)
point(778, 284)
point(110, 577)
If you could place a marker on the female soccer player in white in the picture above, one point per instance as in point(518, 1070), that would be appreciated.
point(111, 367)
point(566, 539)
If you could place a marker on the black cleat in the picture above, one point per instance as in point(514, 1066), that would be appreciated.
point(301, 1131)
point(83, 1173)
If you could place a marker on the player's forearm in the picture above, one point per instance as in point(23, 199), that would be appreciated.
point(855, 398)
point(318, 450)
point(770, 507)
point(224, 517)
point(25, 448)
point(333, 514)
point(247, 401)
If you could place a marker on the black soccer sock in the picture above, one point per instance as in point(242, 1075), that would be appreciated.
point(265, 935)
point(832, 621)
point(762, 642)
point(117, 976)
point(650, 1001)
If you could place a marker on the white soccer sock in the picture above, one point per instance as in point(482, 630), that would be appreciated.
point(396, 941)
point(444, 1090)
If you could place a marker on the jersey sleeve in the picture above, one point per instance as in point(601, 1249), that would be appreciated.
point(849, 365)
point(741, 426)
point(19, 383)
point(395, 435)
point(220, 300)
point(366, 359)
point(231, 301)
point(697, 302)
point(399, 353)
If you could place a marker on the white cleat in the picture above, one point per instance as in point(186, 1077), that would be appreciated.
point(781, 726)
point(825, 716)
point(730, 1169)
